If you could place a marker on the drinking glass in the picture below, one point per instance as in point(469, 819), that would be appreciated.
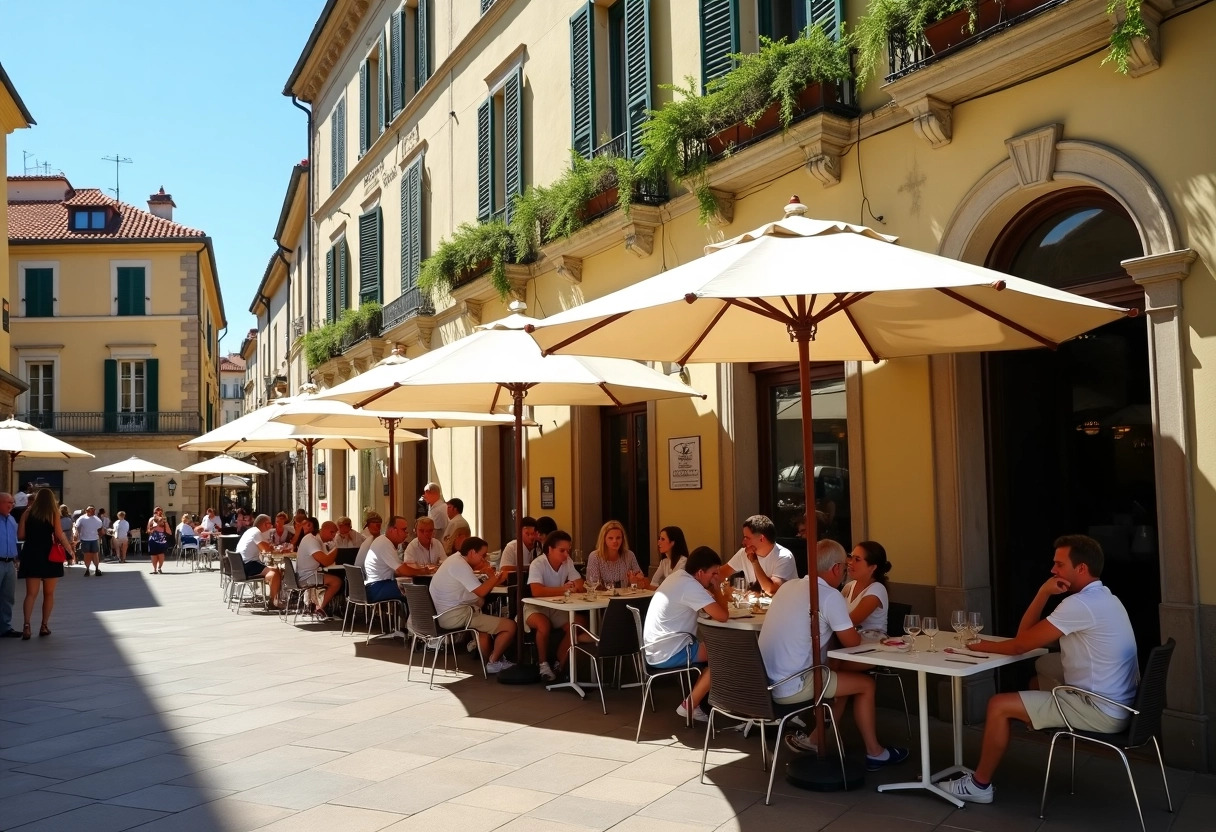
point(958, 622)
point(928, 626)
point(975, 623)
point(590, 586)
point(912, 628)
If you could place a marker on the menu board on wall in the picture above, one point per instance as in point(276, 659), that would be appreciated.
point(684, 463)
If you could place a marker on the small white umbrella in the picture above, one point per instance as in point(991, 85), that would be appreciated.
point(224, 465)
point(23, 439)
point(134, 465)
point(228, 481)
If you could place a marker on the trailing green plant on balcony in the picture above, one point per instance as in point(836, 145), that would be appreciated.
point(473, 248)
point(325, 342)
point(676, 133)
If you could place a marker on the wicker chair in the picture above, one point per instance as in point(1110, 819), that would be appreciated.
point(1142, 728)
point(422, 624)
point(356, 596)
point(648, 672)
point(618, 639)
point(738, 690)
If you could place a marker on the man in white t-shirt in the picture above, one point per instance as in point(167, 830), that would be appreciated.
point(670, 634)
point(507, 561)
point(1097, 653)
point(382, 567)
point(425, 551)
point(436, 508)
point(551, 575)
point(122, 532)
point(785, 644)
point(764, 562)
point(458, 595)
point(371, 525)
point(253, 544)
point(457, 525)
point(311, 556)
point(87, 530)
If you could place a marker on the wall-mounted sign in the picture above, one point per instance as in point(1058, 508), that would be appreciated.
point(684, 463)
point(548, 493)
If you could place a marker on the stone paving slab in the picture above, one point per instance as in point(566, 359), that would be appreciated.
point(151, 707)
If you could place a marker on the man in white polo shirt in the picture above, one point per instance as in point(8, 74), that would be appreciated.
point(458, 595)
point(785, 644)
point(764, 562)
point(1097, 653)
point(436, 508)
point(508, 561)
point(425, 551)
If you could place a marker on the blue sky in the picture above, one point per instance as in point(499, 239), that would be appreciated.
point(190, 92)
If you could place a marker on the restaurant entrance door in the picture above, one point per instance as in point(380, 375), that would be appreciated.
point(626, 469)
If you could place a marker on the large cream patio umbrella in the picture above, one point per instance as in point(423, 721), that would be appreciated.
point(23, 439)
point(766, 295)
point(134, 465)
point(495, 364)
point(331, 414)
point(257, 431)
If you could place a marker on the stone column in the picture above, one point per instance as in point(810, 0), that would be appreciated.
point(1185, 729)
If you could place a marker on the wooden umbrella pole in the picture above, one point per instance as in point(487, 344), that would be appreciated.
point(308, 446)
point(517, 398)
point(391, 424)
point(803, 336)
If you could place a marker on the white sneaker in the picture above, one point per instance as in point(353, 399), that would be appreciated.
point(499, 666)
point(697, 714)
point(546, 672)
point(964, 788)
point(798, 742)
point(472, 645)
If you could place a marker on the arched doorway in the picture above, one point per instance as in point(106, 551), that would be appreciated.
point(1070, 435)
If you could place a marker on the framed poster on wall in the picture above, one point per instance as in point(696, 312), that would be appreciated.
point(684, 463)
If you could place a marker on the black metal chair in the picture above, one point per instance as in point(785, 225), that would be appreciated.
point(294, 589)
point(1142, 728)
point(356, 597)
point(895, 624)
point(422, 624)
point(738, 689)
point(648, 672)
point(618, 639)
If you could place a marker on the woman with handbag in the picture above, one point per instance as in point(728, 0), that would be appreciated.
point(42, 556)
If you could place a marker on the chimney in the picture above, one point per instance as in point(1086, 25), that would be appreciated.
point(161, 204)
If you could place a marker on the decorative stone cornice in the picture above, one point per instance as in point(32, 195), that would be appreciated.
point(331, 46)
point(639, 238)
point(932, 120)
point(724, 214)
point(569, 267)
point(1034, 154)
point(635, 231)
point(817, 142)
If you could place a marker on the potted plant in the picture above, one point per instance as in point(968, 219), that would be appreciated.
point(474, 249)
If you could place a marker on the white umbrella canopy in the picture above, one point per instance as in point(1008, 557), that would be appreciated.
point(496, 364)
point(228, 481)
point(844, 291)
point(23, 439)
point(134, 465)
point(223, 464)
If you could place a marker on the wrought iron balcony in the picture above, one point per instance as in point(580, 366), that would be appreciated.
point(362, 331)
point(98, 422)
point(411, 303)
point(613, 147)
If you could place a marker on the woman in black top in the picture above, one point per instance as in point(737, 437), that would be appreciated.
point(39, 528)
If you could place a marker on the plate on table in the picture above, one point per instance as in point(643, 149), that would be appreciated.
point(894, 645)
point(739, 612)
point(871, 635)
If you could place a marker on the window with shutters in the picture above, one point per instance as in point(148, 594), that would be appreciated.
point(132, 395)
point(39, 289)
point(732, 26)
point(500, 148)
point(373, 96)
point(371, 260)
point(130, 287)
point(337, 280)
point(409, 54)
point(609, 76)
point(485, 5)
point(411, 224)
point(337, 144)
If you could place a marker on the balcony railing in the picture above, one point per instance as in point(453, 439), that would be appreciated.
point(613, 147)
point(90, 422)
point(412, 303)
point(363, 331)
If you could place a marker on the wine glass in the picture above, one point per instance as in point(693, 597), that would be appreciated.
point(975, 623)
point(912, 628)
point(928, 626)
point(958, 621)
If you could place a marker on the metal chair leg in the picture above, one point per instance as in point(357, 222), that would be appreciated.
point(709, 727)
point(642, 713)
point(764, 749)
point(1047, 775)
point(1161, 764)
point(599, 679)
point(1131, 781)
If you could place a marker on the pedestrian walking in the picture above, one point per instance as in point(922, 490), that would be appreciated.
point(40, 529)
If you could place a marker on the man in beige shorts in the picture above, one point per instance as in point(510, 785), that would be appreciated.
point(1097, 653)
point(458, 595)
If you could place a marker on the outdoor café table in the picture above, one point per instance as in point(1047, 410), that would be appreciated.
point(578, 603)
point(954, 665)
point(752, 621)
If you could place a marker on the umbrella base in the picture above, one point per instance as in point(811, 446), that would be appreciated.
point(519, 674)
point(806, 771)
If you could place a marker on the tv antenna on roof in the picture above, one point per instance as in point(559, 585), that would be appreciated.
point(117, 160)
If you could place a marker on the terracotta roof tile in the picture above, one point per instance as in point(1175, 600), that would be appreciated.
point(232, 364)
point(38, 221)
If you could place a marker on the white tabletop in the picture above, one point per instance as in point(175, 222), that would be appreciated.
point(961, 663)
point(752, 621)
point(578, 600)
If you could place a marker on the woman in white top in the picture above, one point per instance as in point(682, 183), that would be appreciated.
point(673, 552)
point(866, 590)
point(612, 563)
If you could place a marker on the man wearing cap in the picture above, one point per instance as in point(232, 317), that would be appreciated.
point(372, 524)
point(436, 508)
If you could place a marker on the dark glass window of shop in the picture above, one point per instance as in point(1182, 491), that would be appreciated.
point(782, 480)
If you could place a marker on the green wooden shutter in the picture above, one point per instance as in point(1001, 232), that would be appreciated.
point(335, 149)
point(637, 72)
point(513, 139)
point(370, 234)
point(330, 295)
point(422, 37)
point(485, 160)
point(341, 139)
point(343, 277)
point(131, 292)
point(719, 38)
point(110, 405)
point(152, 393)
point(364, 110)
point(828, 14)
point(411, 225)
point(39, 293)
point(381, 89)
point(582, 81)
point(485, 4)
point(395, 48)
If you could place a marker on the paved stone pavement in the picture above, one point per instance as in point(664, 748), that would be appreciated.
point(153, 708)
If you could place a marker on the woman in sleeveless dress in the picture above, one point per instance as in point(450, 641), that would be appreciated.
point(39, 527)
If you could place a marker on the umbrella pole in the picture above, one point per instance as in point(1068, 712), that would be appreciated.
point(391, 424)
point(308, 446)
point(520, 674)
